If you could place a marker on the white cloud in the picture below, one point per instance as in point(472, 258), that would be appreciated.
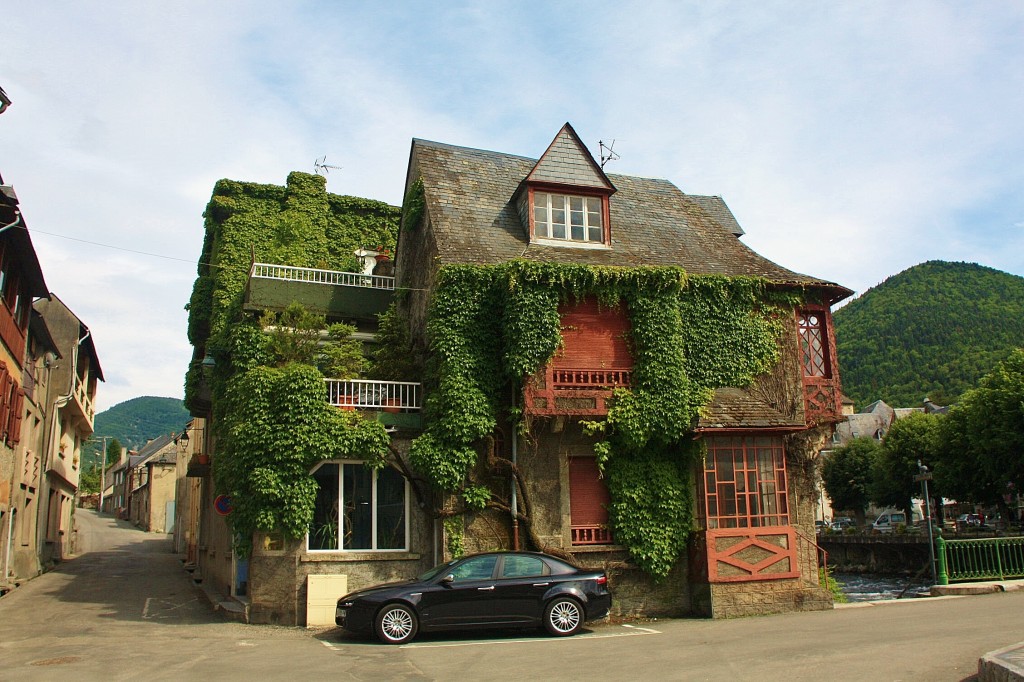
point(851, 140)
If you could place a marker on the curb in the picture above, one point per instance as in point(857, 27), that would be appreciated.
point(1002, 665)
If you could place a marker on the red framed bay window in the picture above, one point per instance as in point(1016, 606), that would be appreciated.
point(745, 482)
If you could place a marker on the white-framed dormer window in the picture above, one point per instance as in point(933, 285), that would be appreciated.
point(568, 217)
point(359, 509)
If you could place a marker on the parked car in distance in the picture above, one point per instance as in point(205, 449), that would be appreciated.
point(497, 589)
point(821, 526)
point(968, 522)
point(841, 523)
point(888, 521)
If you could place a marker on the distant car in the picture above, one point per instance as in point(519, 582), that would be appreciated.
point(887, 522)
point(820, 526)
point(968, 522)
point(841, 523)
point(498, 589)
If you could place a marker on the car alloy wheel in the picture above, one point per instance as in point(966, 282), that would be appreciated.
point(396, 624)
point(563, 617)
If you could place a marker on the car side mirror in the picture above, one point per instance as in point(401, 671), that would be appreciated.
point(448, 579)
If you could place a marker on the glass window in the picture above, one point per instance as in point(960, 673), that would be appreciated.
point(358, 508)
point(745, 482)
point(564, 216)
point(477, 568)
point(812, 344)
point(516, 566)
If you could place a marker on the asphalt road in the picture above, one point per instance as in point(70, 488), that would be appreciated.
point(125, 610)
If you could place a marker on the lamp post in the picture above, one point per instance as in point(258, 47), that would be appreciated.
point(924, 476)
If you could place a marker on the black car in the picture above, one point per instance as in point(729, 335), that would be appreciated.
point(499, 589)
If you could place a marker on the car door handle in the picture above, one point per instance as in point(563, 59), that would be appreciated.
point(541, 584)
point(485, 589)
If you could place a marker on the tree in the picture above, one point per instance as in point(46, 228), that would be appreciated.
point(910, 439)
point(983, 437)
point(846, 474)
point(113, 452)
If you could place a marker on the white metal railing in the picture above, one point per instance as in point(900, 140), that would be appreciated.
point(291, 273)
point(366, 394)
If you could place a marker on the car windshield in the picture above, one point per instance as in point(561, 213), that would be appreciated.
point(436, 570)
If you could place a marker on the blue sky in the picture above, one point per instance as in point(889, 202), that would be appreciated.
point(852, 140)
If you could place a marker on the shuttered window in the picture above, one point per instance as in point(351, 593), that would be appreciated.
point(588, 503)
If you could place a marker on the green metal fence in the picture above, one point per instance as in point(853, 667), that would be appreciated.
point(980, 559)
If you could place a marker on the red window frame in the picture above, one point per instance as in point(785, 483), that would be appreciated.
point(745, 483)
point(812, 327)
point(588, 503)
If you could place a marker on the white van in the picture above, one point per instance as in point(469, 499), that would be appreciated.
point(887, 521)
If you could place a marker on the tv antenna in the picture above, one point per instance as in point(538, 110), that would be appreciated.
point(322, 168)
point(607, 153)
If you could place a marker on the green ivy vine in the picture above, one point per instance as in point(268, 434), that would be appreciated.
point(490, 327)
point(271, 416)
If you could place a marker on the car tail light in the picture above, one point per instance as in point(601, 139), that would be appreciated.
point(602, 579)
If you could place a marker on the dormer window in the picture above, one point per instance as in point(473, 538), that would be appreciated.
point(565, 197)
point(569, 217)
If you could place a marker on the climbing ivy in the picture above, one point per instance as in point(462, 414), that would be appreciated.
point(490, 327)
point(271, 416)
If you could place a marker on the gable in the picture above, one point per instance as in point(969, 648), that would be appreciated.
point(567, 162)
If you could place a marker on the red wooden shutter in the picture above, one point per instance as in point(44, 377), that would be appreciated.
point(594, 337)
point(588, 494)
point(18, 412)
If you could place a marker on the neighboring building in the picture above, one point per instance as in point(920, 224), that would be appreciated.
point(188, 492)
point(70, 415)
point(752, 492)
point(24, 342)
point(153, 484)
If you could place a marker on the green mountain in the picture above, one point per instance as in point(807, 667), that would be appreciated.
point(135, 422)
point(932, 330)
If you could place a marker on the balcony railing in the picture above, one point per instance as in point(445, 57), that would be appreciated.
point(576, 391)
point(572, 379)
point(291, 273)
point(367, 394)
point(84, 399)
point(591, 535)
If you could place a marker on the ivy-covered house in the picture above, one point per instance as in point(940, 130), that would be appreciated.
point(560, 359)
point(614, 376)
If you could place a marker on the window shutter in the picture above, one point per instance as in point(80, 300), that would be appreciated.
point(16, 415)
point(588, 494)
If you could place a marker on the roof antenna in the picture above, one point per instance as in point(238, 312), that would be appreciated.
point(607, 153)
point(322, 168)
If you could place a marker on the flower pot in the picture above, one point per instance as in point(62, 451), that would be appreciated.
point(392, 406)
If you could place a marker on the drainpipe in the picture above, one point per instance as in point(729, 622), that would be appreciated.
point(515, 491)
point(17, 219)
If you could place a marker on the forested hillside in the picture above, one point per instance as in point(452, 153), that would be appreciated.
point(136, 421)
point(932, 330)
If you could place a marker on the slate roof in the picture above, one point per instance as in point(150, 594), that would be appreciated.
point(470, 199)
point(736, 408)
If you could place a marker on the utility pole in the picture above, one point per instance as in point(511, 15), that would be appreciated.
point(103, 475)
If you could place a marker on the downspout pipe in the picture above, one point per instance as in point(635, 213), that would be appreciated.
point(515, 491)
point(17, 219)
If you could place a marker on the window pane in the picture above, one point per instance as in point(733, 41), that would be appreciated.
point(540, 199)
point(595, 234)
point(390, 509)
point(478, 568)
point(521, 567)
point(358, 522)
point(558, 230)
point(577, 232)
point(593, 204)
point(576, 203)
point(576, 217)
point(323, 532)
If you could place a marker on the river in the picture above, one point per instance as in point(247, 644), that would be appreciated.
point(867, 587)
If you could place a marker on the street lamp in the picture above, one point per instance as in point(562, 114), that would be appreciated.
point(924, 476)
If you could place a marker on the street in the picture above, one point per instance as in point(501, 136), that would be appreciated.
point(125, 609)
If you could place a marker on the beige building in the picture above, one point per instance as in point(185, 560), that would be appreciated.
point(152, 485)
